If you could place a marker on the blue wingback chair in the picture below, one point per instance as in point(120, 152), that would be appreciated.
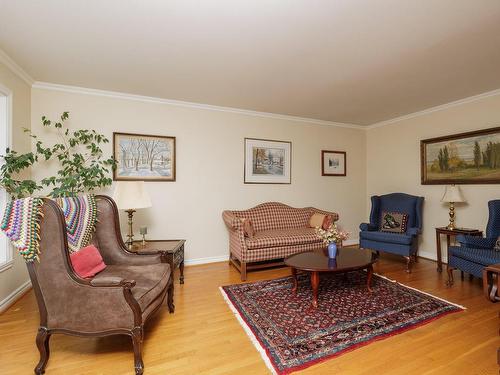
point(404, 244)
point(475, 253)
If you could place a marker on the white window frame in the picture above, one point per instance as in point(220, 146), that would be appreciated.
point(6, 253)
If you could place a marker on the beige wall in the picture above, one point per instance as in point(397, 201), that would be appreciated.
point(210, 164)
point(393, 164)
point(14, 277)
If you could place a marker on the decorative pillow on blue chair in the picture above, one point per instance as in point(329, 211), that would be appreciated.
point(394, 222)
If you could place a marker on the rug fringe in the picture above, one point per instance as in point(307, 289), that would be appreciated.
point(250, 334)
point(420, 291)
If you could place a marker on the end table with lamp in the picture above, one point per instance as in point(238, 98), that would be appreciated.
point(131, 196)
point(451, 233)
point(451, 195)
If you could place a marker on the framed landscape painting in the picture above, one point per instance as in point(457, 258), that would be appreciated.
point(144, 157)
point(333, 163)
point(267, 161)
point(465, 158)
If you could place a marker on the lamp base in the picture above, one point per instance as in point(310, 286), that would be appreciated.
point(130, 235)
point(451, 225)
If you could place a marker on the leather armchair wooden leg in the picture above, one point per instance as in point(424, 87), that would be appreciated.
point(137, 342)
point(42, 343)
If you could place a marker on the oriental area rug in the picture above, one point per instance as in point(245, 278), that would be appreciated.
point(291, 335)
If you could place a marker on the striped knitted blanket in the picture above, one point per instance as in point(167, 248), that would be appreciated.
point(21, 223)
point(81, 215)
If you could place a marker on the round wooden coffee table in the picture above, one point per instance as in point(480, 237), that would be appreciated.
point(316, 262)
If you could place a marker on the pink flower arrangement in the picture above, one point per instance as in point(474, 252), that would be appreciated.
point(332, 234)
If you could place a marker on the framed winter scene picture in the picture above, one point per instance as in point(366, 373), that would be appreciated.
point(144, 157)
point(267, 161)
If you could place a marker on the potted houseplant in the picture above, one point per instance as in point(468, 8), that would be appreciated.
point(82, 164)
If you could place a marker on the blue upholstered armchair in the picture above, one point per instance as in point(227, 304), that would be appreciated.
point(405, 243)
point(475, 253)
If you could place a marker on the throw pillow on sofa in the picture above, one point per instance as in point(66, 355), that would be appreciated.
point(321, 221)
point(87, 262)
point(327, 222)
point(248, 228)
point(316, 220)
point(394, 222)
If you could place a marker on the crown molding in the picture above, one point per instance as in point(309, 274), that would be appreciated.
point(179, 103)
point(438, 108)
point(16, 69)
point(21, 73)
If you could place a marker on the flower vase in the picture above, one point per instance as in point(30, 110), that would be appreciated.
point(332, 263)
point(332, 250)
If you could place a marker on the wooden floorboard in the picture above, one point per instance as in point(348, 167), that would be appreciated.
point(204, 337)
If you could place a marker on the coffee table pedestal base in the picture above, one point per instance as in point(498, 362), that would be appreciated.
point(315, 283)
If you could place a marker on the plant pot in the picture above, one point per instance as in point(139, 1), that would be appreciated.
point(332, 250)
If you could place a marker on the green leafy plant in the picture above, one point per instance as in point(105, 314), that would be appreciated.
point(82, 166)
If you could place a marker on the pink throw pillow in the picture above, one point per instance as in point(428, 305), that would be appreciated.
point(327, 222)
point(248, 228)
point(87, 262)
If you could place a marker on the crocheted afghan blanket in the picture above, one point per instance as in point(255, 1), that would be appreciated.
point(81, 216)
point(21, 224)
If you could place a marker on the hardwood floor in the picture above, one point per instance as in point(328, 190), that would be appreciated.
point(204, 337)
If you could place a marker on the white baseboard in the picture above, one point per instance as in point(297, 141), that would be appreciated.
point(193, 262)
point(14, 296)
point(353, 241)
point(431, 255)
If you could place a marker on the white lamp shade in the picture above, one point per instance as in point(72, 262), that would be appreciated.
point(452, 194)
point(131, 195)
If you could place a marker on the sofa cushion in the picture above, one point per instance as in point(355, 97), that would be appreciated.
point(150, 279)
point(400, 238)
point(282, 237)
point(485, 257)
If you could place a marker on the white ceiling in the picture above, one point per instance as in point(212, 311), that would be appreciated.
point(351, 61)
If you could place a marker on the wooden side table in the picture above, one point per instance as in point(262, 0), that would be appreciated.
point(451, 233)
point(172, 250)
point(491, 282)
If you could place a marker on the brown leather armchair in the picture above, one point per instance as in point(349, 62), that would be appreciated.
point(119, 300)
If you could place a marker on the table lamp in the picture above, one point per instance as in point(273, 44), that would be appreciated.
point(452, 195)
point(131, 196)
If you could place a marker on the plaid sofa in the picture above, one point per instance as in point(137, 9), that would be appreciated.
point(280, 231)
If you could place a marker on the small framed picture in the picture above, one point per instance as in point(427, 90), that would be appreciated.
point(267, 161)
point(333, 163)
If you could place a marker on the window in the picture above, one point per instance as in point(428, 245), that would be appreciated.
point(5, 125)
